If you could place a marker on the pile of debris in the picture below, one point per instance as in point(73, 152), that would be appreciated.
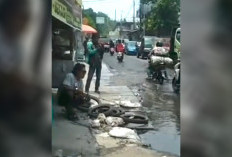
point(118, 120)
point(102, 121)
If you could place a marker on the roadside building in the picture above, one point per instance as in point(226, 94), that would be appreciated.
point(66, 37)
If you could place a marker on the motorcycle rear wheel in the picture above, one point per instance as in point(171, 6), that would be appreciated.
point(161, 80)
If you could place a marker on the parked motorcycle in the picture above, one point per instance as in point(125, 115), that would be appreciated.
point(120, 56)
point(111, 51)
point(176, 79)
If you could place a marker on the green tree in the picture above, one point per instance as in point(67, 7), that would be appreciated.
point(148, 1)
point(163, 16)
point(90, 21)
point(89, 14)
point(103, 29)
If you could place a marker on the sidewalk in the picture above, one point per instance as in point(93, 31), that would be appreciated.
point(70, 139)
point(109, 92)
point(109, 146)
point(79, 139)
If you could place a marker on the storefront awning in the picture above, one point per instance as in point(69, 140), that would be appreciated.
point(88, 29)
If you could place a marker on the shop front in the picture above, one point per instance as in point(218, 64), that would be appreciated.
point(66, 37)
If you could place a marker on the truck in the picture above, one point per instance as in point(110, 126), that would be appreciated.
point(175, 44)
point(175, 54)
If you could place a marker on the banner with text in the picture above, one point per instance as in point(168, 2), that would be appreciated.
point(68, 11)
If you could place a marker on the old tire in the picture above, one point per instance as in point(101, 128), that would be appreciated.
point(96, 99)
point(116, 112)
point(134, 118)
point(84, 107)
point(95, 111)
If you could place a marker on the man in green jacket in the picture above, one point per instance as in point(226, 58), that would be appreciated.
point(95, 55)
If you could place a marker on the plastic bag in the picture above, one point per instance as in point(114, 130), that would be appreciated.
point(123, 133)
point(114, 121)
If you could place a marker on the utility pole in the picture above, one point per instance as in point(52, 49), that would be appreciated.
point(134, 14)
point(144, 18)
point(121, 26)
point(140, 15)
point(115, 15)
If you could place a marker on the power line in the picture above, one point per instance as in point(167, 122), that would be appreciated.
point(96, 0)
point(129, 10)
point(99, 1)
point(106, 3)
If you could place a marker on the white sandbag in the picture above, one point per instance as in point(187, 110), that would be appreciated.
point(114, 121)
point(129, 104)
point(156, 60)
point(124, 133)
point(95, 123)
point(101, 117)
point(168, 60)
point(160, 51)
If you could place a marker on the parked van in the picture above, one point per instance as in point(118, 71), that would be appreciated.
point(175, 45)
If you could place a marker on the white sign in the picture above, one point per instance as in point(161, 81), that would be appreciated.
point(100, 20)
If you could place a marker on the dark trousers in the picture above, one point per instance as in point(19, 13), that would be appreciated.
point(92, 69)
point(64, 99)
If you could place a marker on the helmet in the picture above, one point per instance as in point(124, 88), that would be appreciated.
point(159, 44)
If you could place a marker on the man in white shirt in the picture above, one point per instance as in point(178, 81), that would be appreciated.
point(71, 93)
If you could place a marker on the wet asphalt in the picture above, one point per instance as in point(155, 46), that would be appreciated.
point(159, 101)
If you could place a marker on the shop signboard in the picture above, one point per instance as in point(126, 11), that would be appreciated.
point(100, 20)
point(68, 11)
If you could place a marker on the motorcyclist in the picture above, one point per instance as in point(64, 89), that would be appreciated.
point(120, 47)
point(159, 44)
point(111, 44)
point(112, 50)
point(158, 49)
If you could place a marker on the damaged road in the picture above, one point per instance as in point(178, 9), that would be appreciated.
point(119, 88)
point(160, 103)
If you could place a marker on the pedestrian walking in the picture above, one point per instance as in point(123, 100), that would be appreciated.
point(95, 56)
